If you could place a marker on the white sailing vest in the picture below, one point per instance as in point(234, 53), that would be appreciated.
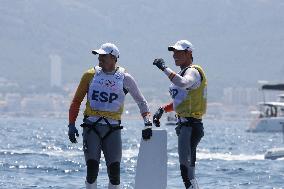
point(106, 91)
point(178, 94)
point(192, 101)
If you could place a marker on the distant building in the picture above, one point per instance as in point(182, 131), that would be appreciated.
point(241, 96)
point(214, 110)
point(55, 70)
point(45, 103)
point(13, 102)
point(3, 106)
point(37, 103)
point(6, 84)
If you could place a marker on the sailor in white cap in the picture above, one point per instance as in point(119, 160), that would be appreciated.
point(105, 86)
point(188, 92)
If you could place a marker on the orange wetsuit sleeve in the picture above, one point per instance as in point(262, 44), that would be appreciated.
point(79, 96)
point(168, 107)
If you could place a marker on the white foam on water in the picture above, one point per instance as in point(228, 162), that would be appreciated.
point(129, 153)
point(63, 153)
point(59, 153)
point(230, 157)
point(203, 155)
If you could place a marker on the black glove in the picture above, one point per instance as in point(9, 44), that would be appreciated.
point(72, 132)
point(178, 128)
point(160, 63)
point(147, 131)
point(157, 116)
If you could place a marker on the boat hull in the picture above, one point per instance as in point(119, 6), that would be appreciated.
point(270, 124)
point(274, 153)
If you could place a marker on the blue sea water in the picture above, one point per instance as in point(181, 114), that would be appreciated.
point(36, 153)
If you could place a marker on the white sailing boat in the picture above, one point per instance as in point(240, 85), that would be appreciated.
point(271, 114)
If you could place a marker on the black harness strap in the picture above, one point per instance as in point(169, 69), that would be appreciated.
point(92, 127)
point(111, 128)
point(190, 121)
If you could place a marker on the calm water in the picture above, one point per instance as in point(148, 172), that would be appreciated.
point(36, 153)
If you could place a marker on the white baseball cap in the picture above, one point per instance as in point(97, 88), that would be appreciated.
point(181, 45)
point(107, 48)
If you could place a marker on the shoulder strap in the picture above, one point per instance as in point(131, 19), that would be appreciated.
point(201, 76)
point(183, 72)
point(122, 70)
point(97, 68)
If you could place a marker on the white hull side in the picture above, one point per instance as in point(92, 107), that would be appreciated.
point(271, 124)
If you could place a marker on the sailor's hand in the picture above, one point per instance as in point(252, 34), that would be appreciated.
point(72, 133)
point(160, 63)
point(157, 116)
point(178, 128)
point(147, 131)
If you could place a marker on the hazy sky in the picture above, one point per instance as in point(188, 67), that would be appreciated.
point(237, 42)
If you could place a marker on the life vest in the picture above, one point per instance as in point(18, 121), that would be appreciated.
point(106, 94)
point(190, 102)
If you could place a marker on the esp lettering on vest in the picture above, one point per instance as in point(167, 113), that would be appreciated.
point(173, 92)
point(103, 96)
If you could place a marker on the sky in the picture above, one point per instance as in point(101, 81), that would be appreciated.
point(236, 42)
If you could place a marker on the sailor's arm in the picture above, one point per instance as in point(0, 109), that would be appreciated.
point(80, 93)
point(190, 78)
point(168, 107)
point(131, 86)
point(158, 114)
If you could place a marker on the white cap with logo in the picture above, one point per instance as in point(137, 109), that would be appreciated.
point(181, 45)
point(107, 48)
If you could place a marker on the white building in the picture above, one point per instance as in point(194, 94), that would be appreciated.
point(37, 103)
point(45, 103)
point(13, 102)
point(241, 96)
point(55, 70)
